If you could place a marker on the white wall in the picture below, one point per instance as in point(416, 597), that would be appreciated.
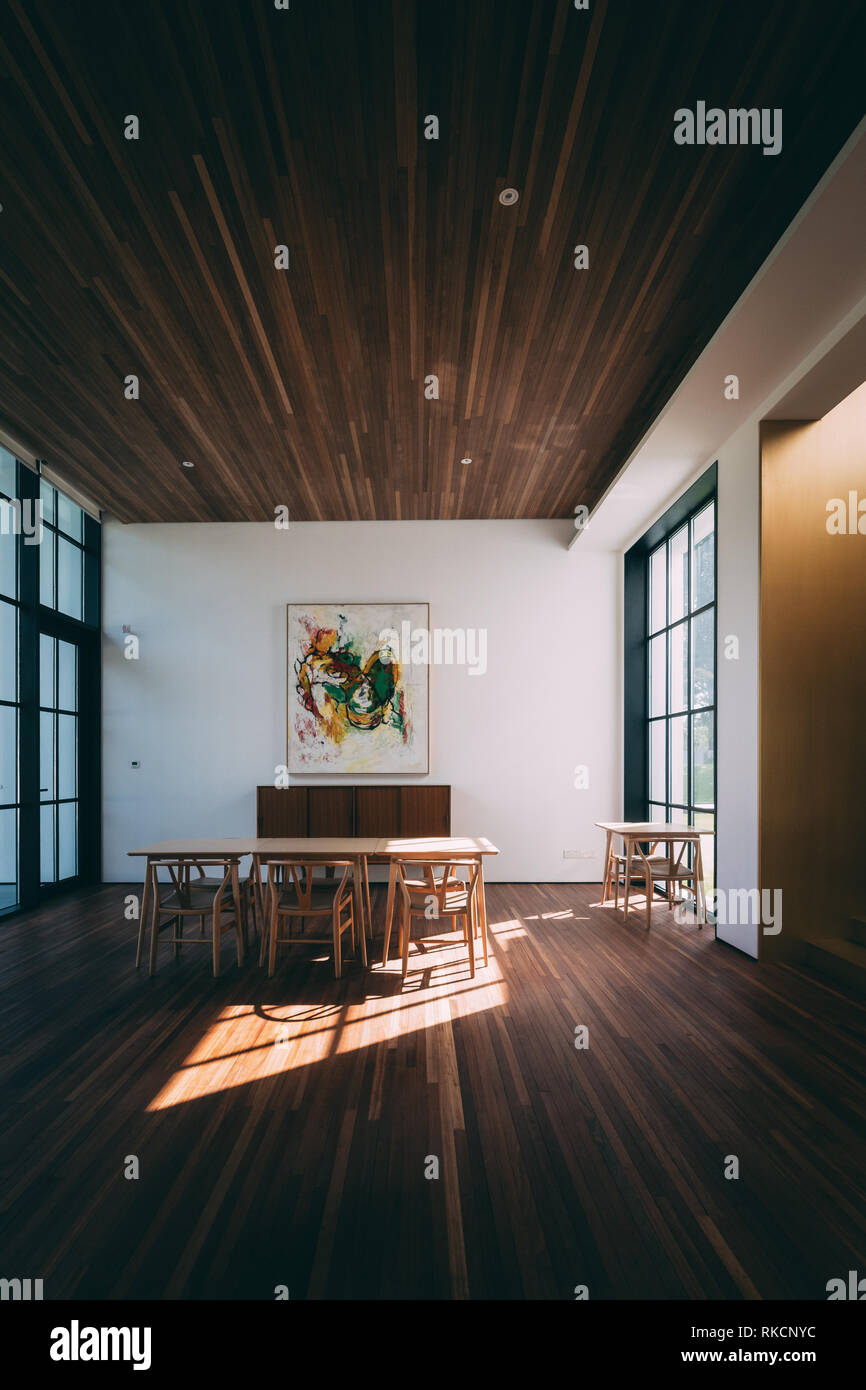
point(620, 523)
point(738, 540)
point(204, 706)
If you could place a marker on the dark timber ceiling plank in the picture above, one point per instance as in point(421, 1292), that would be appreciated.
point(305, 127)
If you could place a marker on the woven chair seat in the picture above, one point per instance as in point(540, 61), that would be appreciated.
point(659, 867)
point(663, 871)
point(196, 900)
point(636, 859)
point(420, 885)
point(215, 883)
point(321, 900)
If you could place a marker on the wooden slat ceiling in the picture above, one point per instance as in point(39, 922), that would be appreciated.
point(305, 127)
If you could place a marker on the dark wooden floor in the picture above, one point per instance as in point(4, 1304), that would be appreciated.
point(283, 1127)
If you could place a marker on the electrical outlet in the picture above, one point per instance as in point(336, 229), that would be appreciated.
point(578, 854)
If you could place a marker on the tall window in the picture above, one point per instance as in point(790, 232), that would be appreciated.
point(49, 688)
point(670, 669)
point(61, 553)
point(62, 569)
point(9, 704)
point(681, 668)
point(59, 745)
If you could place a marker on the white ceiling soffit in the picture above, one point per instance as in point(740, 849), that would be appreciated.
point(838, 372)
point(811, 288)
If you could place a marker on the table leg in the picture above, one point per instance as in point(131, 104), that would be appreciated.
point(628, 849)
point(263, 896)
point(240, 925)
point(358, 891)
point(154, 927)
point(700, 895)
point(366, 870)
point(142, 914)
point(406, 925)
point(258, 903)
point(482, 906)
point(389, 907)
point(648, 886)
point(605, 887)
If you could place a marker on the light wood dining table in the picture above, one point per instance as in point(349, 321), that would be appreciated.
point(358, 849)
point(234, 849)
point(422, 848)
point(633, 834)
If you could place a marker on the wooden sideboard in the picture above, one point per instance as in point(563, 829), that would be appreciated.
point(393, 811)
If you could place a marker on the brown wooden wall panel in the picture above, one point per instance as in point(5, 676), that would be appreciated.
point(331, 811)
point(349, 810)
point(813, 674)
point(281, 811)
point(377, 810)
point(425, 810)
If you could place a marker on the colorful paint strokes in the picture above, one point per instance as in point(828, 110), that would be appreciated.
point(352, 707)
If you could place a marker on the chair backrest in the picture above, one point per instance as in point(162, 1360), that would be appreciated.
point(179, 873)
point(438, 890)
point(299, 873)
point(199, 867)
point(675, 851)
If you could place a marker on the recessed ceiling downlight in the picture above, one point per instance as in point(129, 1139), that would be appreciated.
point(508, 196)
point(187, 463)
point(466, 460)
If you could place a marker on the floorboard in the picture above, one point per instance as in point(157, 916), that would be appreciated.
point(283, 1128)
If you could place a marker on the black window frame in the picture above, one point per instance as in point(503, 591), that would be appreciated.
point(637, 717)
point(35, 618)
point(14, 602)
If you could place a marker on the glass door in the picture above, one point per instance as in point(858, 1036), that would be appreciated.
point(69, 696)
point(9, 697)
point(59, 756)
point(49, 689)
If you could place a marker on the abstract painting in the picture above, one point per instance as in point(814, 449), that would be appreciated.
point(355, 703)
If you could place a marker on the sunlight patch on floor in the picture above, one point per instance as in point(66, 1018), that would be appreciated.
point(252, 1042)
